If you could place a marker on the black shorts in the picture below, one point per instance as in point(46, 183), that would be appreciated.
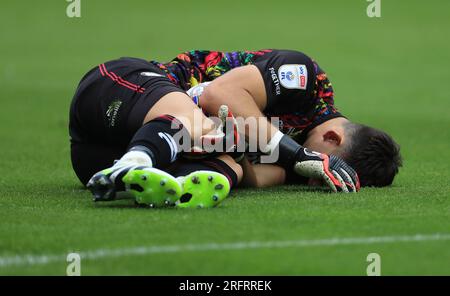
point(109, 106)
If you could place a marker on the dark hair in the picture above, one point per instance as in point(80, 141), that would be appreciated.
point(372, 153)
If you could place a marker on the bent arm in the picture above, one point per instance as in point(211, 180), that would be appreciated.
point(261, 175)
point(243, 90)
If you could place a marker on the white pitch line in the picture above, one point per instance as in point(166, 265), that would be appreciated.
point(30, 259)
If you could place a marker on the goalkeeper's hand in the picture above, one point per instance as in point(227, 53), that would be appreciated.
point(227, 134)
point(337, 174)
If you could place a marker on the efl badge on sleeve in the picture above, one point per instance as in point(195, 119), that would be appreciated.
point(293, 76)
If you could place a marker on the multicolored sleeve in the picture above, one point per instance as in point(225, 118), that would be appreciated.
point(324, 94)
point(196, 66)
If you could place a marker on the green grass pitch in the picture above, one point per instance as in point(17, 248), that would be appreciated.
point(391, 72)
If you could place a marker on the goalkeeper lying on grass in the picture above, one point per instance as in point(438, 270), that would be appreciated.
point(132, 110)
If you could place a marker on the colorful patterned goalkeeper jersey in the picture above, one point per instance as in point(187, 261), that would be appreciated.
point(298, 91)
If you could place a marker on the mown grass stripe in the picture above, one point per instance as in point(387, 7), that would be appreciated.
point(30, 259)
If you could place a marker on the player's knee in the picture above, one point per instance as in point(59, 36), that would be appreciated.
point(233, 165)
point(193, 119)
point(209, 100)
point(180, 106)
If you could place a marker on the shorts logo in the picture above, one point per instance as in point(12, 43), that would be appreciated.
point(293, 76)
point(113, 110)
point(151, 74)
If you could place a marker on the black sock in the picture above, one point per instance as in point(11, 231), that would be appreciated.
point(184, 168)
point(156, 138)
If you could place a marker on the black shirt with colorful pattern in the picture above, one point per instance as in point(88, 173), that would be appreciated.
point(298, 91)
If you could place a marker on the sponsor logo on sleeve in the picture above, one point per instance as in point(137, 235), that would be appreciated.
point(276, 81)
point(293, 76)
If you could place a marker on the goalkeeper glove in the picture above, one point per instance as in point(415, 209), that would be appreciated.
point(336, 173)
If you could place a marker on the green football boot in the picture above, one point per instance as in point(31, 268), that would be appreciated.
point(152, 187)
point(148, 186)
point(203, 189)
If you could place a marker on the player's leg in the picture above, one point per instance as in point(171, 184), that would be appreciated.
point(169, 128)
point(108, 108)
point(153, 148)
point(152, 186)
point(155, 115)
point(154, 144)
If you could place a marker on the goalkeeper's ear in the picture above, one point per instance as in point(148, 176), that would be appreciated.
point(332, 137)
